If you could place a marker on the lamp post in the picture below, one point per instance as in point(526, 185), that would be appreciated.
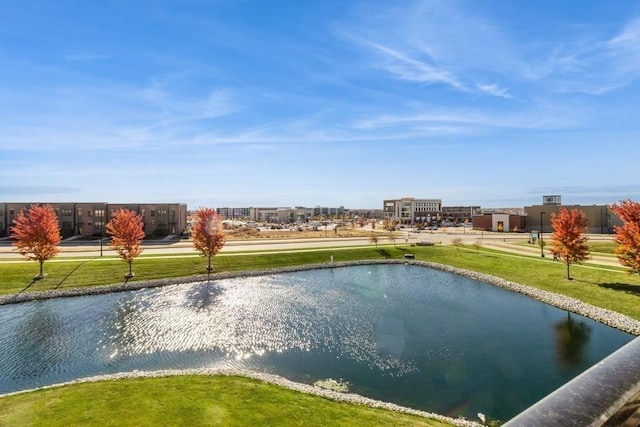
point(541, 240)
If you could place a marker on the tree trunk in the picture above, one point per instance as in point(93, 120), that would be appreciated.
point(41, 265)
point(130, 266)
point(568, 275)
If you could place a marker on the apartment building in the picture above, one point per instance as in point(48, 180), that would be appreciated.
point(409, 210)
point(90, 219)
point(283, 215)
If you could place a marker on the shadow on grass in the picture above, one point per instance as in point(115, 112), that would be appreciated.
point(70, 273)
point(35, 279)
point(624, 287)
point(385, 253)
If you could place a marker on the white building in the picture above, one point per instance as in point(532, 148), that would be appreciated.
point(409, 210)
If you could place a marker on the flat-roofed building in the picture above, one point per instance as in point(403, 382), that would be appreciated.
point(409, 210)
point(89, 219)
point(460, 214)
point(601, 219)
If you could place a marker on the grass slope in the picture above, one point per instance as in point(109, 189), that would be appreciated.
point(610, 288)
point(189, 401)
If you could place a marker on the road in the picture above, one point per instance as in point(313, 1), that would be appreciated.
point(511, 242)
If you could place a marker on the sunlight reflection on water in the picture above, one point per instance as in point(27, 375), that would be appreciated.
point(405, 334)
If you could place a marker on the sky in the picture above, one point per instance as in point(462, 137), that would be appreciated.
point(281, 103)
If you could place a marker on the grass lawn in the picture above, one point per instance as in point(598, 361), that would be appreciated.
point(196, 400)
point(603, 247)
point(610, 288)
point(192, 400)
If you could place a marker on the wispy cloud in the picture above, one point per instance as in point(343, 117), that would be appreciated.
point(85, 56)
point(593, 66)
point(434, 43)
point(12, 190)
point(406, 67)
point(495, 90)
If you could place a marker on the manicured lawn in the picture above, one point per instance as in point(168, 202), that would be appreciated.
point(602, 247)
point(203, 400)
point(75, 273)
point(611, 288)
point(605, 287)
point(194, 400)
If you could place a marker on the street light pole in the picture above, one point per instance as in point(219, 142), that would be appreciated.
point(541, 240)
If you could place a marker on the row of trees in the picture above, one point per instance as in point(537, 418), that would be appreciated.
point(38, 237)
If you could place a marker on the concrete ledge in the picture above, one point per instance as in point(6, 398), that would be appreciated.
point(601, 396)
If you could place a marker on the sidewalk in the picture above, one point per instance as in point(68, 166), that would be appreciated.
point(533, 250)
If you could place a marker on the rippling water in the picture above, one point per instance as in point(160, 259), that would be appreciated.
point(407, 334)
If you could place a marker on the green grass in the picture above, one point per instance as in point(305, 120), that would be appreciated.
point(194, 400)
point(595, 246)
point(606, 287)
point(603, 247)
point(77, 273)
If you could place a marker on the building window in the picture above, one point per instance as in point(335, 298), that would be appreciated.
point(99, 213)
point(152, 212)
point(66, 212)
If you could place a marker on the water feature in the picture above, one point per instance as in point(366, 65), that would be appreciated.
point(406, 334)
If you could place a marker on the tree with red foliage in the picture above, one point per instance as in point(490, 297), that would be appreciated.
point(569, 239)
point(208, 234)
point(126, 231)
point(628, 236)
point(37, 233)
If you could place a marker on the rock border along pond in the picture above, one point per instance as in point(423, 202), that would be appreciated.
point(607, 317)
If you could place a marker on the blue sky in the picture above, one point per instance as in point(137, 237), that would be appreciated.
point(285, 102)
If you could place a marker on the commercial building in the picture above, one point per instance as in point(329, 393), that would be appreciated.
point(460, 214)
point(500, 222)
point(90, 219)
point(601, 218)
point(408, 210)
point(286, 215)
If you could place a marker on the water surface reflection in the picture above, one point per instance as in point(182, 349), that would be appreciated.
point(406, 334)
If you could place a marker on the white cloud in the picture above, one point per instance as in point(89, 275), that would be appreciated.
point(495, 90)
point(85, 56)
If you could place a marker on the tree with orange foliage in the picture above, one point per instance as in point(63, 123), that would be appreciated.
point(208, 234)
point(628, 236)
point(568, 237)
point(37, 233)
point(126, 231)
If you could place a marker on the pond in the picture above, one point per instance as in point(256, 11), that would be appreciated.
point(405, 334)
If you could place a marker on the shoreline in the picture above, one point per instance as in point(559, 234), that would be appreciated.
point(335, 396)
point(605, 316)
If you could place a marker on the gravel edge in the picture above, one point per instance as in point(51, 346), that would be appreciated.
point(267, 378)
point(607, 317)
